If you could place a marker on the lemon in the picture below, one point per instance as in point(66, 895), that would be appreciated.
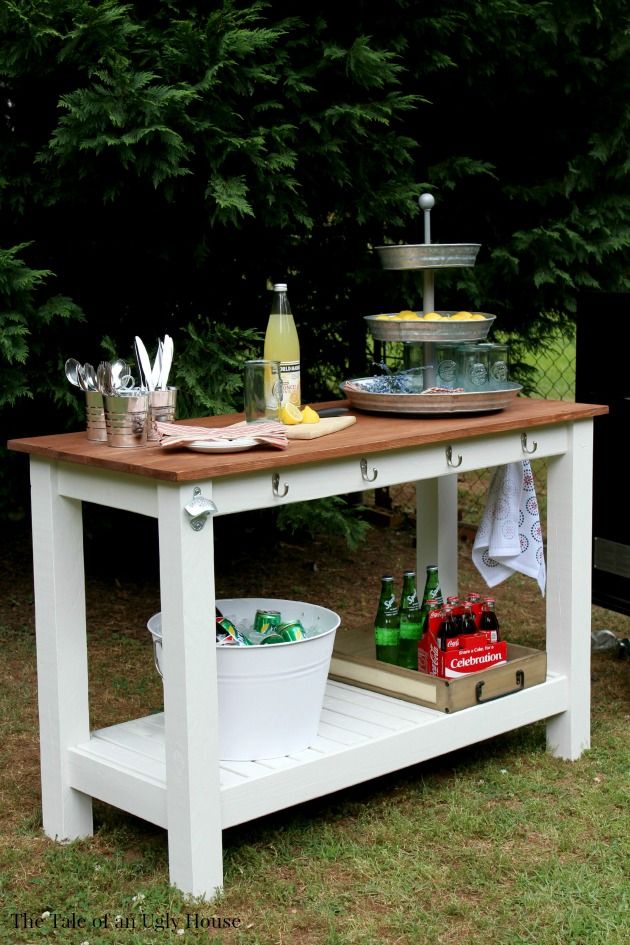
point(309, 415)
point(382, 316)
point(461, 316)
point(290, 414)
point(477, 317)
point(406, 315)
point(433, 317)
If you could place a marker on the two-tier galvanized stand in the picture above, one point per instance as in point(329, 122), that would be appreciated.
point(428, 257)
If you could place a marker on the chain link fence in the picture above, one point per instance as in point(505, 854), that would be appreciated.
point(550, 374)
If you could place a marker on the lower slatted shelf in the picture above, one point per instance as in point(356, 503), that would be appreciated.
point(362, 735)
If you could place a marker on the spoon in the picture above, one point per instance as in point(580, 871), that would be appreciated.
point(119, 367)
point(72, 371)
point(90, 376)
point(83, 384)
point(124, 382)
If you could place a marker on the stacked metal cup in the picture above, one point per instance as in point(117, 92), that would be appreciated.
point(161, 409)
point(95, 416)
point(126, 418)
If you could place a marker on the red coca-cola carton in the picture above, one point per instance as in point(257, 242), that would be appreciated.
point(464, 654)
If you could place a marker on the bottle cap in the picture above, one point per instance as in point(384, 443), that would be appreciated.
point(280, 287)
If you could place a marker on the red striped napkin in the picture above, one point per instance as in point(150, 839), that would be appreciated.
point(178, 436)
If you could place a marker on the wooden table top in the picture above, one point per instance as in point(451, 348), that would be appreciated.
point(372, 433)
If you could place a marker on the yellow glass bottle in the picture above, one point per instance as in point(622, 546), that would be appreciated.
point(282, 344)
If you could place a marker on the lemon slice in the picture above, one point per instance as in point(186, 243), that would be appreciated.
point(309, 415)
point(290, 414)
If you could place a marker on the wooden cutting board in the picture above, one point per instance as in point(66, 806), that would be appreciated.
point(326, 425)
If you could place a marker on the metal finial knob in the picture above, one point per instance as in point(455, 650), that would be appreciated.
point(426, 201)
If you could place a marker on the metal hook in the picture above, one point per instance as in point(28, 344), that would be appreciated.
point(199, 509)
point(524, 444)
point(275, 482)
point(364, 471)
point(449, 458)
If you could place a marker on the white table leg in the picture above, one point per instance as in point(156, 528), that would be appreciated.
point(569, 542)
point(436, 530)
point(61, 649)
point(190, 696)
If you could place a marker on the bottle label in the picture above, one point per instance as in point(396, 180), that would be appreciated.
point(290, 377)
point(273, 396)
point(386, 636)
point(389, 607)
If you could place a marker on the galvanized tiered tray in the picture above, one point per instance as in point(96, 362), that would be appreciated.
point(428, 256)
point(390, 328)
point(427, 404)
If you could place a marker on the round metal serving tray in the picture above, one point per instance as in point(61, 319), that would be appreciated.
point(395, 329)
point(427, 255)
point(429, 404)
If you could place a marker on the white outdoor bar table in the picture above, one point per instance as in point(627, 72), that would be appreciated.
point(165, 768)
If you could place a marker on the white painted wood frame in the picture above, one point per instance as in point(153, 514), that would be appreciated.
point(166, 768)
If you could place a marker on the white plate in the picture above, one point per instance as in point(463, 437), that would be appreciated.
point(223, 446)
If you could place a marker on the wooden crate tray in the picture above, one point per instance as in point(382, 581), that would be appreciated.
point(353, 661)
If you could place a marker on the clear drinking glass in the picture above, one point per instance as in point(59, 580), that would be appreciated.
point(262, 390)
point(498, 364)
point(472, 370)
point(446, 365)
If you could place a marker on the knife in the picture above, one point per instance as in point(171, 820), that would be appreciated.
point(166, 362)
point(144, 363)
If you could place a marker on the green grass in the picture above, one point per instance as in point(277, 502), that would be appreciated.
point(499, 843)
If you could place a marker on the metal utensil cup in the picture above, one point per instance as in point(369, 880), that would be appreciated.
point(126, 419)
point(161, 409)
point(95, 416)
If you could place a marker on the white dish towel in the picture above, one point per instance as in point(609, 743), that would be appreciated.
point(509, 537)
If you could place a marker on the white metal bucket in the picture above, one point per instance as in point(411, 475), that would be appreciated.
point(270, 696)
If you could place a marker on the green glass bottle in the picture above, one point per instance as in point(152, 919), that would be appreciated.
point(387, 623)
point(432, 598)
point(410, 623)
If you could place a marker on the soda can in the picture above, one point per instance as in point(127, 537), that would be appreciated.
point(225, 630)
point(266, 620)
point(224, 625)
point(272, 637)
point(291, 630)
